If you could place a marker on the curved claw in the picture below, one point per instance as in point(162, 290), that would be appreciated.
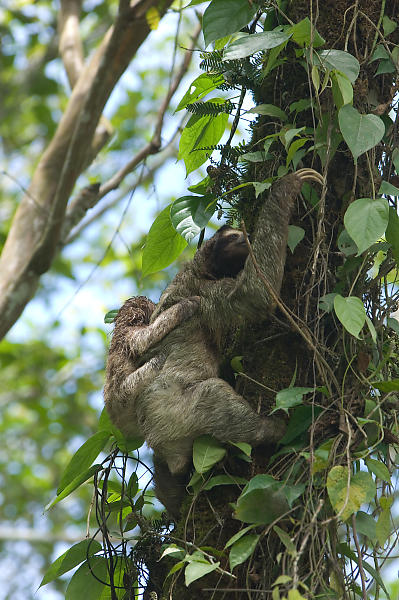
point(308, 174)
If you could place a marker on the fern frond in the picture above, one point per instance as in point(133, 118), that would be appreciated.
point(210, 108)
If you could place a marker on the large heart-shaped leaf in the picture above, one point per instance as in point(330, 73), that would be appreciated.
point(366, 221)
point(348, 499)
point(351, 312)
point(360, 132)
point(339, 60)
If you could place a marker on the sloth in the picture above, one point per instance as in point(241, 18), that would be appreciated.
point(133, 336)
point(186, 398)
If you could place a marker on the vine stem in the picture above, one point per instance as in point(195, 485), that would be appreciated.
point(359, 553)
point(305, 333)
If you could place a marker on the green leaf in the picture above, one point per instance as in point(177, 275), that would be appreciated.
point(321, 456)
point(195, 570)
point(75, 483)
point(300, 419)
point(202, 187)
point(289, 397)
point(190, 214)
point(361, 489)
point(110, 315)
point(244, 447)
point(387, 386)
point(269, 110)
point(351, 312)
point(346, 244)
point(383, 528)
point(366, 221)
point(163, 244)
point(83, 458)
point(342, 89)
point(326, 302)
point(70, 559)
point(224, 480)
point(379, 469)
point(338, 60)
point(201, 131)
point(392, 233)
point(261, 186)
point(104, 422)
point(393, 324)
point(242, 549)
point(239, 535)
point(249, 44)
point(259, 156)
point(206, 453)
point(388, 25)
point(294, 147)
point(89, 580)
point(360, 132)
point(386, 66)
point(199, 88)
point(282, 580)
point(371, 329)
point(173, 550)
point(388, 189)
point(292, 492)
point(302, 34)
point(285, 538)
point(365, 525)
point(262, 501)
point(223, 17)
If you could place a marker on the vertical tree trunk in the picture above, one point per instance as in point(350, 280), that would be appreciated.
point(276, 355)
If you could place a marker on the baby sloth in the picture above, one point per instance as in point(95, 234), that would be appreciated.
point(186, 397)
point(133, 335)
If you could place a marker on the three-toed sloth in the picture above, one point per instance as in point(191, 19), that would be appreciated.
point(186, 397)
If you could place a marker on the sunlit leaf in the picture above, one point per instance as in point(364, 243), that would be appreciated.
point(163, 244)
point(195, 570)
point(201, 131)
point(190, 214)
point(249, 44)
point(199, 88)
point(366, 221)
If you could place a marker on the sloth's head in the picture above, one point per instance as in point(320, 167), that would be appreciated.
point(229, 252)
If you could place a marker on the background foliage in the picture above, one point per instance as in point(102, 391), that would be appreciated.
point(320, 514)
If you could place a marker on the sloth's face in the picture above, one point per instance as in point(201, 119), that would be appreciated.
point(230, 252)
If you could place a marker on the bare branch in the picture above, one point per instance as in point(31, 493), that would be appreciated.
point(78, 209)
point(70, 44)
point(71, 52)
point(72, 230)
point(34, 234)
